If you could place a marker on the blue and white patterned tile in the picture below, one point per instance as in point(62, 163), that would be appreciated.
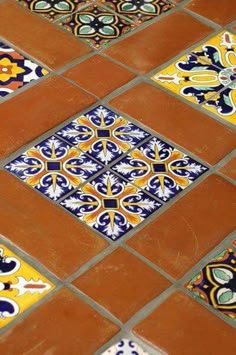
point(53, 167)
point(103, 134)
point(110, 205)
point(125, 347)
point(159, 168)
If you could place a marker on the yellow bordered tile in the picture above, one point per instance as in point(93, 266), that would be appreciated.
point(20, 286)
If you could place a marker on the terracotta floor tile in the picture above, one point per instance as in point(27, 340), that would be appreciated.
point(112, 283)
point(168, 328)
point(49, 103)
point(191, 129)
point(55, 48)
point(44, 230)
point(229, 169)
point(214, 10)
point(72, 327)
point(99, 75)
point(187, 231)
point(148, 49)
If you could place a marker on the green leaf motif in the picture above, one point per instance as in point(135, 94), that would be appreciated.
point(149, 8)
point(227, 101)
point(85, 18)
point(221, 274)
point(127, 7)
point(226, 297)
point(216, 57)
point(107, 30)
point(85, 30)
point(42, 5)
point(106, 19)
point(63, 6)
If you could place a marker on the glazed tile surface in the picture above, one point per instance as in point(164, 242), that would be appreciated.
point(96, 25)
point(159, 168)
point(16, 70)
point(110, 205)
point(103, 134)
point(139, 10)
point(206, 76)
point(20, 286)
point(53, 167)
point(215, 284)
point(125, 347)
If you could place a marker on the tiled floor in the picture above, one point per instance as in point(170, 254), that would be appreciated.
point(117, 177)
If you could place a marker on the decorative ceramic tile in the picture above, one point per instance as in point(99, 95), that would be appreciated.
point(53, 167)
point(103, 134)
point(16, 70)
point(216, 283)
point(96, 25)
point(207, 74)
point(139, 10)
point(52, 9)
point(125, 347)
point(110, 205)
point(159, 168)
point(20, 286)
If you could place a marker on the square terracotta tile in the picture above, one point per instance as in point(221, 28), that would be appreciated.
point(78, 328)
point(53, 10)
point(177, 121)
point(189, 229)
point(53, 167)
point(96, 25)
point(159, 168)
point(206, 74)
point(113, 283)
point(99, 75)
point(125, 346)
point(16, 70)
point(103, 134)
point(110, 205)
point(217, 11)
point(159, 42)
point(215, 283)
point(176, 316)
point(139, 11)
point(229, 169)
point(21, 286)
point(43, 229)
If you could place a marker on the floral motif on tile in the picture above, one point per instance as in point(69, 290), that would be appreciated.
point(159, 168)
point(103, 134)
point(206, 76)
point(53, 167)
point(52, 9)
point(110, 205)
point(97, 25)
point(20, 286)
point(16, 70)
point(216, 283)
point(139, 10)
point(125, 347)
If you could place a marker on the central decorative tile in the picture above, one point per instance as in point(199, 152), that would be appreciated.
point(20, 286)
point(103, 134)
point(206, 76)
point(125, 347)
point(96, 25)
point(216, 283)
point(159, 168)
point(53, 167)
point(16, 70)
point(110, 205)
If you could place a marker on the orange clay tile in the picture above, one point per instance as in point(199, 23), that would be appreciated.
point(62, 325)
point(229, 169)
point(181, 326)
point(192, 129)
point(147, 49)
point(41, 228)
point(49, 103)
point(188, 230)
point(99, 75)
point(112, 283)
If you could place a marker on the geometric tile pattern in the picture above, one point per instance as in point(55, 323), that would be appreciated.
point(96, 25)
point(206, 76)
point(110, 205)
point(103, 134)
point(53, 167)
point(215, 284)
point(21, 286)
point(159, 168)
point(126, 347)
point(16, 70)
